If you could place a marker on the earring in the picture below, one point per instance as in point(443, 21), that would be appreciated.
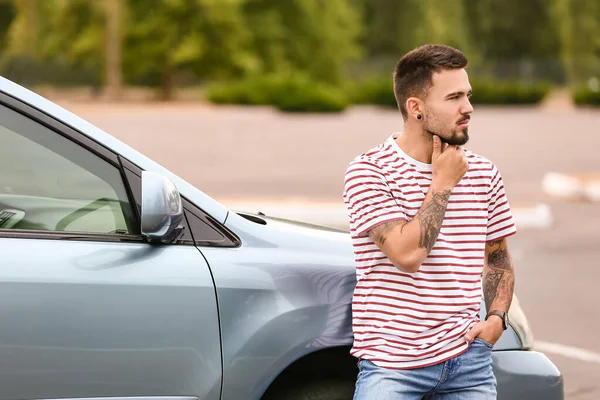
point(419, 116)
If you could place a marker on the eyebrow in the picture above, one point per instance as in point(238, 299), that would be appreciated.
point(459, 93)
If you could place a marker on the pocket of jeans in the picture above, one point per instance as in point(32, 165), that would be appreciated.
point(365, 365)
point(487, 344)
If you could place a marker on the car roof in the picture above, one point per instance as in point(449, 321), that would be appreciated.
point(196, 196)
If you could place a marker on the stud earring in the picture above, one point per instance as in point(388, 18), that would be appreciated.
point(419, 116)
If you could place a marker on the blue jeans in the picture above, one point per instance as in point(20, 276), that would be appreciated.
point(468, 376)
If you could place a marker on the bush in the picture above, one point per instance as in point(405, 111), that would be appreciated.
point(298, 93)
point(287, 92)
point(495, 92)
point(379, 91)
point(252, 91)
point(376, 91)
point(29, 71)
point(301, 94)
point(583, 96)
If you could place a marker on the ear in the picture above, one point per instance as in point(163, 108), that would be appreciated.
point(414, 107)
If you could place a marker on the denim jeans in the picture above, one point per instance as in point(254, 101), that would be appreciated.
point(468, 376)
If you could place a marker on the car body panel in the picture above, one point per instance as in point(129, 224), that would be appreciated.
point(286, 292)
point(92, 319)
point(526, 375)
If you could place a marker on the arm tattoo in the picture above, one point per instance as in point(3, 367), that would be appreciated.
point(498, 277)
point(431, 216)
point(380, 232)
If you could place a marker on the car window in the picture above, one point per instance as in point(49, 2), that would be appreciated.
point(51, 183)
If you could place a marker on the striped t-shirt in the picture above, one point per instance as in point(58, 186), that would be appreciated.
point(408, 320)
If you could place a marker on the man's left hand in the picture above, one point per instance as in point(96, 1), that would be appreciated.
point(489, 331)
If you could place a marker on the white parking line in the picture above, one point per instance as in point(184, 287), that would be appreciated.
point(334, 214)
point(575, 353)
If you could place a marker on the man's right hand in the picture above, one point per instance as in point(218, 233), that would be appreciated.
point(448, 163)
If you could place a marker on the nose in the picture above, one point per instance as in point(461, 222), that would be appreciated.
point(467, 108)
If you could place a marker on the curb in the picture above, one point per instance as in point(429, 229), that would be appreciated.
point(536, 216)
point(579, 187)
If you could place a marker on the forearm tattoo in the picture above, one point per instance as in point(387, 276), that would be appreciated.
point(498, 276)
point(380, 232)
point(431, 216)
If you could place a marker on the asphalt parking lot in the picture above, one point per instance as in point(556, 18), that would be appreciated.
point(240, 154)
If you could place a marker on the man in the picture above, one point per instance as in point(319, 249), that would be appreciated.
point(427, 219)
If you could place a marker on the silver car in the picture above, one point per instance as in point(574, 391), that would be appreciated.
point(120, 280)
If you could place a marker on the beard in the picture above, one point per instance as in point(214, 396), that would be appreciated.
point(453, 138)
point(450, 136)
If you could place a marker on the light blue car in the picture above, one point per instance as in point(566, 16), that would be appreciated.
point(119, 280)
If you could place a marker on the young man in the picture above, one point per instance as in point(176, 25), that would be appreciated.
point(427, 218)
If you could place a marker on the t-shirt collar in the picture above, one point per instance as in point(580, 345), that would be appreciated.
point(417, 164)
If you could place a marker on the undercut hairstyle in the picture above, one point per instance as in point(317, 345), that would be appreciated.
point(413, 75)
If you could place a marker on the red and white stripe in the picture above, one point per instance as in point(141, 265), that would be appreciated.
point(403, 320)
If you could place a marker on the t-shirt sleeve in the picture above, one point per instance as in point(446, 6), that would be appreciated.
point(368, 198)
point(500, 219)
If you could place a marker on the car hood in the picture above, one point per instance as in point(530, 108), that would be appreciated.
point(258, 230)
point(307, 225)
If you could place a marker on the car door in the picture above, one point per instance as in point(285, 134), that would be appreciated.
point(87, 307)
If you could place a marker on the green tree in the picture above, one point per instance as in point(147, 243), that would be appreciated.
point(26, 28)
point(512, 28)
point(394, 27)
point(269, 34)
point(25, 58)
point(313, 36)
point(390, 26)
point(162, 40)
point(516, 38)
point(113, 25)
point(445, 22)
point(77, 35)
point(579, 29)
point(7, 14)
point(163, 37)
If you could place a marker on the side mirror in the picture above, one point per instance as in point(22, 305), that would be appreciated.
point(162, 210)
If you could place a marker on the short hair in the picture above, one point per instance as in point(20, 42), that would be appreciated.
point(413, 75)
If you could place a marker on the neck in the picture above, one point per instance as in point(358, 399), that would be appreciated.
point(416, 143)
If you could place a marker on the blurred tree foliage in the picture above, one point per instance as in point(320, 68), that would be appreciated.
point(204, 37)
point(313, 36)
point(164, 42)
point(390, 26)
point(7, 14)
point(512, 29)
point(393, 27)
point(445, 21)
point(515, 38)
point(578, 23)
point(75, 35)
